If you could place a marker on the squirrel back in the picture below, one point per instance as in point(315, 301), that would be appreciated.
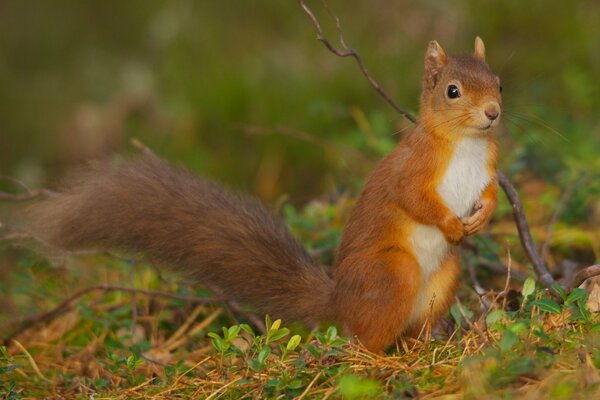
point(209, 233)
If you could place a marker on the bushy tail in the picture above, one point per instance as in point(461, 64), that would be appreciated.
point(207, 232)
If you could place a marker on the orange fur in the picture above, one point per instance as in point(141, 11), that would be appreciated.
point(397, 254)
point(439, 293)
point(403, 194)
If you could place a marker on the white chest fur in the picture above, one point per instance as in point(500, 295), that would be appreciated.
point(461, 186)
point(466, 176)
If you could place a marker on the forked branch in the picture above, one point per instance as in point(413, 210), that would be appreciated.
point(350, 52)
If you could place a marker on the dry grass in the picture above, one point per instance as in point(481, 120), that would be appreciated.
point(91, 350)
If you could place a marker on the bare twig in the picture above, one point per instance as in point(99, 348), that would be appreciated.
point(497, 266)
point(67, 304)
point(527, 242)
point(507, 283)
point(479, 290)
point(350, 52)
point(28, 194)
point(586, 273)
point(305, 137)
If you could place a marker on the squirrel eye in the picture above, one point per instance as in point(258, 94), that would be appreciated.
point(453, 92)
point(500, 88)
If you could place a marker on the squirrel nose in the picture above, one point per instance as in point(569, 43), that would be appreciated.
point(492, 111)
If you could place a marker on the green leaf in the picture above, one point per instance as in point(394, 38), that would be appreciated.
point(541, 334)
point(455, 312)
point(233, 331)
point(508, 341)
point(295, 384)
point(494, 316)
point(293, 342)
point(518, 327)
point(217, 342)
point(131, 362)
point(247, 328)
point(268, 321)
point(275, 326)
point(547, 305)
point(312, 350)
point(528, 288)
point(101, 383)
point(278, 335)
point(561, 292)
point(576, 295)
point(263, 354)
point(585, 314)
point(331, 333)
point(353, 387)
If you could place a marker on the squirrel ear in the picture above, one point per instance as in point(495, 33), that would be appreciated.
point(479, 49)
point(435, 60)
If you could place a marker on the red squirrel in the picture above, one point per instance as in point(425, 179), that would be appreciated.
point(397, 265)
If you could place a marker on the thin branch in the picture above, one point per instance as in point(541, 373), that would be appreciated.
point(479, 290)
point(67, 304)
point(28, 194)
point(305, 137)
point(581, 276)
point(527, 242)
point(350, 52)
point(498, 266)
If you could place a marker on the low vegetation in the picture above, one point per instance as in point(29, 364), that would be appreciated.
point(171, 340)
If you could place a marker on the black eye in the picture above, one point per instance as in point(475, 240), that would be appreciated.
point(500, 88)
point(453, 92)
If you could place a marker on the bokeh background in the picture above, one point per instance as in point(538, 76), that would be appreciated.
point(242, 91)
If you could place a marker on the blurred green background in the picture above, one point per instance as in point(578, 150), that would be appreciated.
point(232, 89)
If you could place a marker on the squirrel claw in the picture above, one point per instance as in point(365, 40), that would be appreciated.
point(474, 223)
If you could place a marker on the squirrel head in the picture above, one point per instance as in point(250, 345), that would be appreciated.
point(461, 95)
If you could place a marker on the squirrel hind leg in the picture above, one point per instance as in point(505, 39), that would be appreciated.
point(439, 294)
point(375, 301)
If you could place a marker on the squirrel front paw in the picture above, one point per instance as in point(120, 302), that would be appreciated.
point(453, 229)
point(479, 219)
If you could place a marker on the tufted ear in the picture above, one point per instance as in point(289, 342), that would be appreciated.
point(479, 49)
point(435, 60)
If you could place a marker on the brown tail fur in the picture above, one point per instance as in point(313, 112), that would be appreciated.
point(209, 233)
